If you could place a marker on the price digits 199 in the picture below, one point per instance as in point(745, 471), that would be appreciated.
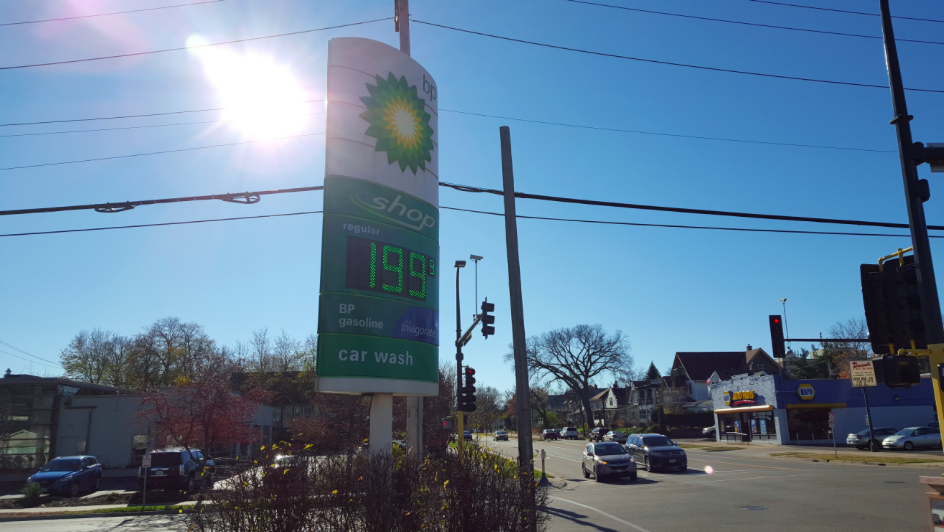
point(385, 268)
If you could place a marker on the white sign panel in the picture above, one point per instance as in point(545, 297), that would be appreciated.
point(862, 373)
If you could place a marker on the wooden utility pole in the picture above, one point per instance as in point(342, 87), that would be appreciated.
point(522, 389)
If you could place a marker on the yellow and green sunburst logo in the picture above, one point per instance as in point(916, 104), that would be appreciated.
point(399, 122)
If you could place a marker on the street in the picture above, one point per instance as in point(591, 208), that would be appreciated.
point(744, 492)
point(149, 523)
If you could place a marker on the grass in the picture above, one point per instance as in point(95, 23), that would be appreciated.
point(867, 458)
point(123, 509)
point(709, 447)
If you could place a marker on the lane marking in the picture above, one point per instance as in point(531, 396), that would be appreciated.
point(601, 512)
point(588, 489)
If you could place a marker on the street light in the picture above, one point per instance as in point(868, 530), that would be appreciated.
point(783, 301)
point(476, 258)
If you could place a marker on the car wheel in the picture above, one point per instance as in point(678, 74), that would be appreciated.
point(633, 476)
point(97, 485)
point(190, 485)
point(74, 490)
point(909, 446)
point(683, 469)
point(596, 474)
point(586, 474)
point(648, 465)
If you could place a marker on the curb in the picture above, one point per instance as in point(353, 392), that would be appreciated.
point(58, 516)
point(935, 465)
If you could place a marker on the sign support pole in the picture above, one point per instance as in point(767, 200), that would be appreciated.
point(868, 413)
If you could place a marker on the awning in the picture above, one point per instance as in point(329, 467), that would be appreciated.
point(806, 406)
point(761, 408)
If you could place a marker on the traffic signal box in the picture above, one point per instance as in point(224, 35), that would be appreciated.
point(897, 371)
point(776, 336)
point(893, 306)
point(467, 391)
point(487, 319)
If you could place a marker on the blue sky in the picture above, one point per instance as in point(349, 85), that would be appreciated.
point(668, 290)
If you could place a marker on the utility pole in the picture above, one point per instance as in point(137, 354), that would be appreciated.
point(460, 429)
point(414, 404)
point(916, 193)
point(522, 389)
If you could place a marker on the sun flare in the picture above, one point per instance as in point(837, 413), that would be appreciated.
point(262, 98)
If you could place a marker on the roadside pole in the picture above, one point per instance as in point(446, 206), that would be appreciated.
point(868, 415)
point(916, 193)
point(145, 468)
point(460, 430)
point(522, 393)
point(414, 404)
point(832, 430)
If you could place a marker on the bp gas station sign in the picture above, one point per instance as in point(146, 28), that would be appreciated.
point(378, 319)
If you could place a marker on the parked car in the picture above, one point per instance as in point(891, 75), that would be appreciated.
point(709, 432)
point(861, 439)
point(934, 425)
point(597, 434)
point(69, 475)
point(501, 435)
point(569, 433)
point(466, 435)
point(615, 435)
point(657, 451)
point(913, 438)
point(177, 469)
point(609, 458)
point(549, 434)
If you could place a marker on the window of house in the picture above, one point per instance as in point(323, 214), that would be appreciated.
point(760, 367)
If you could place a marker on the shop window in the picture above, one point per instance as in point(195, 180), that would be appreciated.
point(808, 424)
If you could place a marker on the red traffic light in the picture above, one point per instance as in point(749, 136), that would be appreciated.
point(469, 371)
point(776, 320)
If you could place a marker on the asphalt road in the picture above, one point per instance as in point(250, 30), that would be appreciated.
point(793, 495)
point(151, 523)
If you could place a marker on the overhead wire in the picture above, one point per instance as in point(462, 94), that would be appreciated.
point(673, 63)
point(190, 47)
point(742, 23)
point(817, 8)
point(676, 135)
point(11, 346)
point(60, 19)
point(121, 117)
point(9, 168)
point(28, 360)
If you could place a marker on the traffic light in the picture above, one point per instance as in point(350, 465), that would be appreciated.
point(892, 305)
point(448, 423)
point(898, 371)
point(487, 320)
point(776, 336)
point(467, 391)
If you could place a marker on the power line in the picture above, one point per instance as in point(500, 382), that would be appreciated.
point(28, 360)
point(11, 346)
point(559, 199)
point(672, 63)
point(742, 23)
point(246, 198)
point(181, 48)
point(108, 14)
point(671, 226)
point(9, 124)
point(676, 135)
point(154, 152)
point(842, 11)
point(126, 127)
point(159, 224)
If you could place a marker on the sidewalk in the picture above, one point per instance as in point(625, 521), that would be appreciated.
point(42, 512)
point(763, 450)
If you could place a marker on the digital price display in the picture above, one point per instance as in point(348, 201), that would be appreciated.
point(388, 269)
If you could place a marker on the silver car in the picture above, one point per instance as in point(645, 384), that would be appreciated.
point(605, 459)
point(861, 439)
point(615, 435)
point(913, 438)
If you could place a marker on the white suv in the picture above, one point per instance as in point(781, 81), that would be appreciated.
point(569, 433)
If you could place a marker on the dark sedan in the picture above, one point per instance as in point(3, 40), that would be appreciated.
point(69, 475)
point(657, 451)
point(550, 434)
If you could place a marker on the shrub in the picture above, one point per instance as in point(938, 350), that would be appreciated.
point(31, 492)
point(652, 429)
point(479, 490)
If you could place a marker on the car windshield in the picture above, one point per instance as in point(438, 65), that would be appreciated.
point(59, 464)
point(617, 433)
point(608, 448)
point(500, 433)
point(905, 432)
point(165, 459)
point(657, 441)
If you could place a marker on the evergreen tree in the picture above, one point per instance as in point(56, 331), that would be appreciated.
point(653, 372)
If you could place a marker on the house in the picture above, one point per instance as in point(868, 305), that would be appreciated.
point(697, 367)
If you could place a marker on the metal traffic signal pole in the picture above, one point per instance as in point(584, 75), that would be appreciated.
point(522, 390)
point(911, 155)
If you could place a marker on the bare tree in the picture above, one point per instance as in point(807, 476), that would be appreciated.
point(260, 351)
point(87, 357)
point(285, 354)
point(577, 356)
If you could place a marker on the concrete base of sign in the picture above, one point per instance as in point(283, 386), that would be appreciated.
point(414, 426)
point(381, 423)
point(935, 501)
point(357, 386)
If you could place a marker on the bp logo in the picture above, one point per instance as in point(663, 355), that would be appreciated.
point(399, 122)
point(806, 392)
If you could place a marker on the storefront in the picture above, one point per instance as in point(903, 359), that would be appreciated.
point(770, 409)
